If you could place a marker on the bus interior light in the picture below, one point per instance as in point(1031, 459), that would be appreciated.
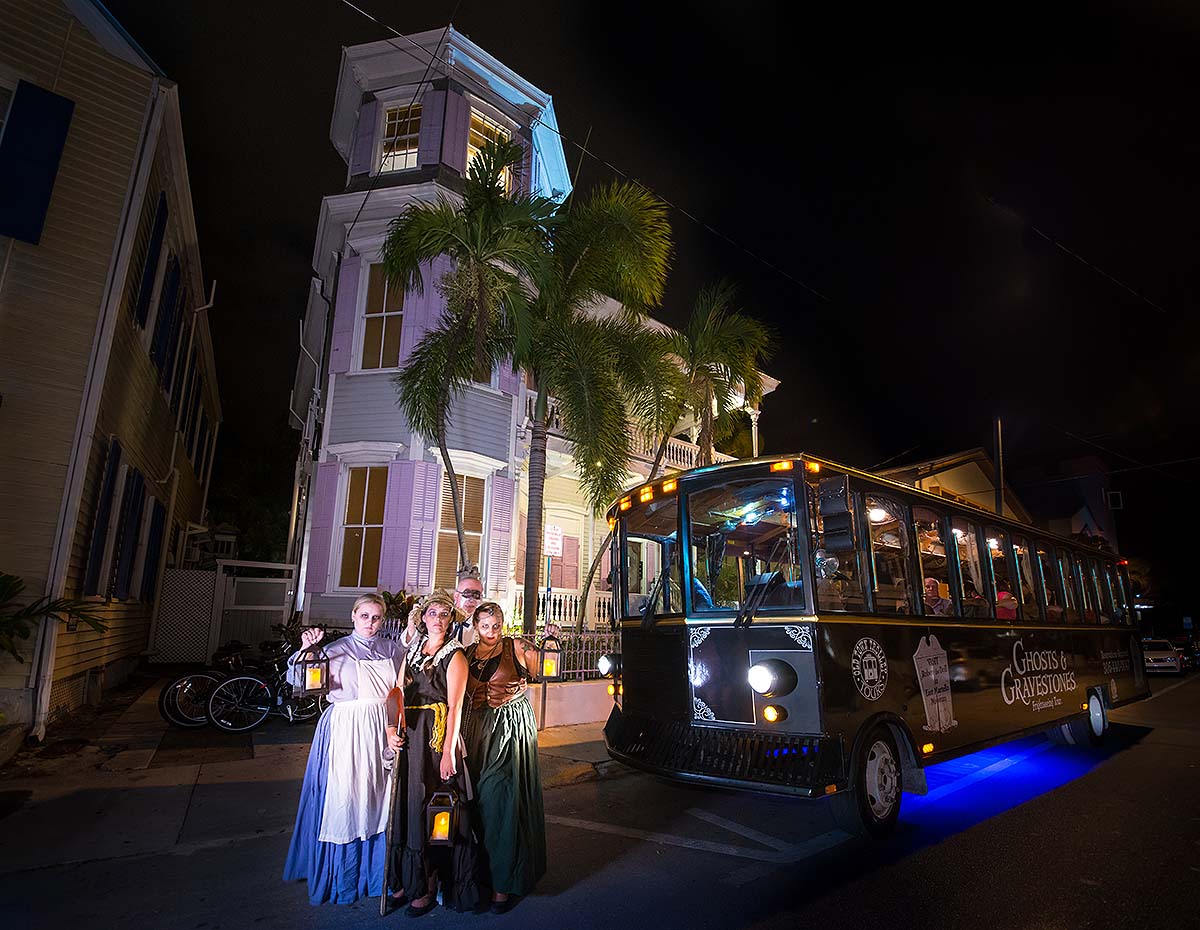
point(786, 465)
point(773, 713)
point(878, 515)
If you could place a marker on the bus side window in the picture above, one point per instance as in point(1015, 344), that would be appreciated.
point(1090, 612)
point(889, 555)
point(1008, 604)
point(1120, 608)
point(1066, 566)
point(1026, 577)
point(834, 553)
point(1126, 593)
point(935, 569)
point(1052, 583)
point(971, 570)
point(1100, 582)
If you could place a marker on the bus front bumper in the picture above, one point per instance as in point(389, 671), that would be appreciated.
point(803, 766)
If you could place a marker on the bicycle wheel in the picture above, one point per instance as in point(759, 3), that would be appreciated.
point(183, 701)
point(240, 704)
point(308, 708)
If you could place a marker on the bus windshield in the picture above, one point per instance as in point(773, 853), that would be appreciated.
point(742, 534)
point(652, 569)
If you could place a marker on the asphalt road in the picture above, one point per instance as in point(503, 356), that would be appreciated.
point(1028, 835)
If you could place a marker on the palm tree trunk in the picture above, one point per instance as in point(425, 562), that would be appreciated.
point(599, 556)
point(533, 527)
point(463, 558)
point(705, 439)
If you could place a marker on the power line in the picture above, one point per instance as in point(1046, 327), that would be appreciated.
point(586, 151)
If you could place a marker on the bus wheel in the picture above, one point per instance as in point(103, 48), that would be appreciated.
point(1097, 719)
point(872, 805)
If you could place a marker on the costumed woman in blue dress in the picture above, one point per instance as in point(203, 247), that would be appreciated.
point(338, 843)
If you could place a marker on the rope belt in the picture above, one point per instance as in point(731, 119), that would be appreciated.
point(440, 712)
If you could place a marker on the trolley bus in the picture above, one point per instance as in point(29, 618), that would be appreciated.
point(790, 625)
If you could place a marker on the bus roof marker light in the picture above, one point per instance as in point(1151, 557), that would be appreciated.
point(669, 485)
point(626, 503)
point(786, 465)
point(812, 467)
point(645, 494)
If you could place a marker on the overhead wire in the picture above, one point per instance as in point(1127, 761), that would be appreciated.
point(609, 165)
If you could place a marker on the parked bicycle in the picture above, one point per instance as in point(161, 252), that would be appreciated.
point(183, 701)
point(240, 703)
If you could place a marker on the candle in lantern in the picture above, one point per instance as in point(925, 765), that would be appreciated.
point(312, 679)
point(441, 825)
point(550, 666)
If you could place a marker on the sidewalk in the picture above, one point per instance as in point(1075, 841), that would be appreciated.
point(143, 788)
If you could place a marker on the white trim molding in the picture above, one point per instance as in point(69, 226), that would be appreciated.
point(474, 464)
point(365, 452)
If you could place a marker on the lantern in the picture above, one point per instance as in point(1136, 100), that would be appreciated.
point(441, 817)
point(551, 656)
point(314, 673)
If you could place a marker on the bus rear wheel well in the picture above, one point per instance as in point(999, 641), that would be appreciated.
point(912, 774)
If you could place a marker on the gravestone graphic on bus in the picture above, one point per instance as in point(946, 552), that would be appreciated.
point(933, 678)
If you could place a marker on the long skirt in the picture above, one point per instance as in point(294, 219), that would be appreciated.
point(502, 754)
point(337, 873)
point(457, 865)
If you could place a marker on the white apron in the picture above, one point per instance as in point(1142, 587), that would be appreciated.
point(356, 784)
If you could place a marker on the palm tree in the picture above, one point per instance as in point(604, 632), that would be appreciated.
point(494, 239)
point(721, 350)
point(617, 244)
point(17, 621)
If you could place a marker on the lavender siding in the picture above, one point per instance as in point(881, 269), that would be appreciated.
point(397, 518)
point(362, 156)
point(320, 538)
point(342, 346)
point(429, 142)
point(422, 533)
point(458, 121)
point(499, 535)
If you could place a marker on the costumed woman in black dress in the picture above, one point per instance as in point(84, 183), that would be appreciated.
point(435, 680)
point(502, 754)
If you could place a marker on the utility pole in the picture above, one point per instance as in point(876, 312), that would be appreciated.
point(998, 450)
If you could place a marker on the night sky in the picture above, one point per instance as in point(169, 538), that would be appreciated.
point(916, 173)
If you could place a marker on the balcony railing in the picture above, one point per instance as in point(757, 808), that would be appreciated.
point(562, 607)
point(680, 455)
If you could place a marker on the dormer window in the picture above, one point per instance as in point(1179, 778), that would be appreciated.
point(484, 130)
point(401, 126)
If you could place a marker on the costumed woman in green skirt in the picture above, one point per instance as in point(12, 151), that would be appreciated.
point(502, 756)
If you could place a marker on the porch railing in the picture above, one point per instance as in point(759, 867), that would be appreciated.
point(562, 607)
point(580, 651)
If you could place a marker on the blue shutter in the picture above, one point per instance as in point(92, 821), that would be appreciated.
point(158, 520)
point(30, 149)
point(142, 308)
point(164, 322)
point(91, 577)
point(132, 505)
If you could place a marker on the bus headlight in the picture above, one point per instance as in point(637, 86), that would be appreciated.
point(772, 678)
point(609, 664)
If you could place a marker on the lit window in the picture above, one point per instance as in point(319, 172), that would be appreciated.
point(401, 126)
point(362, 532)
point(384, 315)
point(484, 130)
point(470, 495)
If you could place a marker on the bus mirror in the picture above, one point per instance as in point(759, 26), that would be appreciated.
point(837, 522)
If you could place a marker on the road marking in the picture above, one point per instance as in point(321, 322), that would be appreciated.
point(741, 829)
point(967, 780)
point(1169, 688)
point(794, 854)
point(666, 839)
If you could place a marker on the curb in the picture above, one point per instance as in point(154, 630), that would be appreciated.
point(562, 774)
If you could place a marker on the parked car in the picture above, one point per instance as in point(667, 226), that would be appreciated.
point(1187, 651)
point(1161, 656)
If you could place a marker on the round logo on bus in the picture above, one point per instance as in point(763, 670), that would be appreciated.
point(869, 667)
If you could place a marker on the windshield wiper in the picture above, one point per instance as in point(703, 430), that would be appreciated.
point(648, 615)
point(745, 614)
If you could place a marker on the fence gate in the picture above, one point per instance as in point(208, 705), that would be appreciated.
point(200, 610)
